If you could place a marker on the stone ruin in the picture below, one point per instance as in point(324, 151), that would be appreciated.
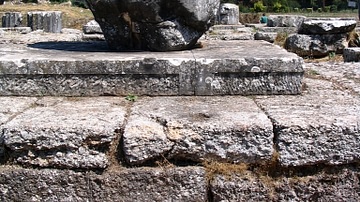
point(320, 37)
point(159, 25)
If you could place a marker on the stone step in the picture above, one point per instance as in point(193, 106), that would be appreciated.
point(101, 148)
point(89, 69)
point(321, 126)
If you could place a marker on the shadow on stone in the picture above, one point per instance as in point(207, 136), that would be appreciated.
point(98, 46)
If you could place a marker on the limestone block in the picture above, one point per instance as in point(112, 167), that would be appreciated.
point(351, 54)
point(11, 19)
point(65, 133)
point(49, 21)
point(219, 68)
point(266, 36)
point(138, 184)
point(327, 26)
point(288, 30)
point(230, 129)
point(151, 184)
point(240, 187)
point(228, 14)
point(285, 20)
point(10, 107)
point(92, 27)
point(333, 186)
point(316, 45)
point(160, 25)
point(319, 127)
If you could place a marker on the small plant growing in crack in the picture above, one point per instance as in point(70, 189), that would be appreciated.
point(131, 97)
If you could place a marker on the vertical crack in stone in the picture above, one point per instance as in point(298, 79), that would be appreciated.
point(116, 153)
point(276, 129)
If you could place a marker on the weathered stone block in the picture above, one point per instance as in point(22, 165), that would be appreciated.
point(327, 26)
point(351, 54)
point(11, 19)
point(316, 45)
point(266, 36)
point(228, 14)
point(341, 185)
point(320, 127)
point(65, 133)
point(140, 184)
point(219, 68)
point(10, 107)
point(229, 129)
point(49, 21)
point(285, 20)
point(157, 25)
point(92, 27)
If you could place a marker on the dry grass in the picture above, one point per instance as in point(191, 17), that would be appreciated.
point(73, 17)
point(214, 168)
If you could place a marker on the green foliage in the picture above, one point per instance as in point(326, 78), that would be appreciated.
point(259, 6)
point(277, 7)
point(333, 8)
point(331, 55)
point(131, 98)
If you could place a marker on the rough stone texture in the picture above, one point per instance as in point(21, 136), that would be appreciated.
point(228, 14)
point(342, 185)
point(139, 184)
point(66, 133)
point(92, 27)
point(21, 30)
point(243, 69)
point(285, 20)
point(327, 26)
point(321, 127)
point(10, 107)
point(288, 30)
point(240, 187)
point(11, 19)
point(351, 54)
point(344, 74)
point(49, 21)
point(316, 45)
point(266, 36)
point(159, 25)
point(230, 129)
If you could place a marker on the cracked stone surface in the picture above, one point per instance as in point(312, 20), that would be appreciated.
point(10, 107)
point(320, 127)
point(65, 132)
point(137, 184)
point(229, 129)
point(341, 185)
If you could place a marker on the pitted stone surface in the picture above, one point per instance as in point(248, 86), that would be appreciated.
point(327, 26)
point(65, 132)
point(230, 129)
point(9, 108)
point(139, 184)
point(158, 25)
point(341, 185)
point(319, 127)
point(80, 69)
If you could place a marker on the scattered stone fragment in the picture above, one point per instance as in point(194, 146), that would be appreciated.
point(92, 27)
point(351, 54)
point(327, 26)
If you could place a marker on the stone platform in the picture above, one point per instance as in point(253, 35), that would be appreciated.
point(187, 148)
point(302, 147)
point(88, 69)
